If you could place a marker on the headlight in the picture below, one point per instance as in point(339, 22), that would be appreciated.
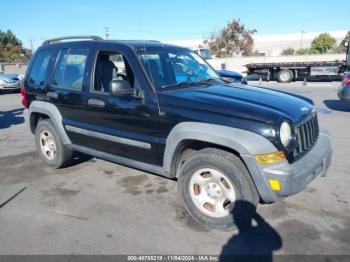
point(285, 134)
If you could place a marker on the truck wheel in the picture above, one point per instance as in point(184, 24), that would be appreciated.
point(210, 182)
point(285, 76)
point(49, 145)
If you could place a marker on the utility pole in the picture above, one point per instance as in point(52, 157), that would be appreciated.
point(31, 45)
point(301, 40)
point(107, 32)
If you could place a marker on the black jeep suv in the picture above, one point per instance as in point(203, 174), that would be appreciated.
point(163, 109)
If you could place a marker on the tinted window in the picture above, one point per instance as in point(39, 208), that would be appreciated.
point(70, 67)
point(154, 68)
point(40, 68)
point(111, 66)
point(177, 68)
point(58, 75)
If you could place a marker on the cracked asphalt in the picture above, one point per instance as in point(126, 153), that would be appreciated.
point(98, 207)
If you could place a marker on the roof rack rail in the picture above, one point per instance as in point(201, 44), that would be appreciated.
point(52, 40)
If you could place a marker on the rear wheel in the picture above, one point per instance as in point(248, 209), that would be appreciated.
point(210, 183)
point(285, 76)
point(49, 146)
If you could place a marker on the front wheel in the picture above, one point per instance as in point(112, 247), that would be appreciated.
point(210, 183)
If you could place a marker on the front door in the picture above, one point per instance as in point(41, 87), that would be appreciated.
point(120, 125)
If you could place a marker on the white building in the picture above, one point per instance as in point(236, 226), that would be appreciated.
point(273, 45)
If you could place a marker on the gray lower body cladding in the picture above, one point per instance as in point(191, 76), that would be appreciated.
point(294, 177)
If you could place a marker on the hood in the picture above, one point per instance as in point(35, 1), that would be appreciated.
point(242, 101)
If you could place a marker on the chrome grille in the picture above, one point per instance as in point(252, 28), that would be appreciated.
point(306, 136)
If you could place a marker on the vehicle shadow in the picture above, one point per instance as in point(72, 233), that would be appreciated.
point(337, 105)
point(255, 241)
point(79, 158)
point(10, 118)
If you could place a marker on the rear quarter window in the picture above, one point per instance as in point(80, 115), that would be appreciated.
point(40, 69)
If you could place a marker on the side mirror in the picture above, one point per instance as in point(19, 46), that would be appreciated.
point(121, 88)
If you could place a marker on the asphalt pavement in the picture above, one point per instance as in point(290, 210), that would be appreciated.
point(98, 207)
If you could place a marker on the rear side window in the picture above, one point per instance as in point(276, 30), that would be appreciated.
point(70, 67)
point(40, 69)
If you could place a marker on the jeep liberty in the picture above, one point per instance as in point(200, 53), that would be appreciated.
point(162, 109)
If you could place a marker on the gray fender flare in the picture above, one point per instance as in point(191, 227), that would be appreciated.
point(55, 117)
point(242, 141)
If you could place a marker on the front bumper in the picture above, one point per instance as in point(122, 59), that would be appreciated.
point(294, 177)
point(10, 86)
point(344, 94)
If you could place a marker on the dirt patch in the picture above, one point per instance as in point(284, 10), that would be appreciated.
point(339, 200)
point(310, 190)
point(161, 190)
point(136, 185)
point(132, 181)
point(294, 230)
point(22, 168)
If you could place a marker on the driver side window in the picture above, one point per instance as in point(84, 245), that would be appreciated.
point(111, 66)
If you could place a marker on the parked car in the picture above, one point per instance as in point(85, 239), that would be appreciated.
point(344, 89)
point(233, 76)
point(165, 111)
point(9, 81)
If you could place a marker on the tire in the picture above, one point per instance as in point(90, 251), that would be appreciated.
point(47, 140)
point(236, 177)
point(285, 76)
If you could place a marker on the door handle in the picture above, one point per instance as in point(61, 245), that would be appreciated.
point(96, 103)
point(52, 95)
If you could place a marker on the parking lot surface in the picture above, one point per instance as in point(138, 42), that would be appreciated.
point(98, 207)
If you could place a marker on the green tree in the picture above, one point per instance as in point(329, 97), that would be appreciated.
point(288, 51)
point(9, 38)
point(233, 38)
point(341, 48)
point(324, 43)
point(302, 51)
point(11, 48)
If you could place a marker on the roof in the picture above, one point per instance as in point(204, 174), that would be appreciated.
point(139, 44)
point(136, 44)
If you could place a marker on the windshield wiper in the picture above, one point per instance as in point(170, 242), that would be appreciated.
point(201, 82)
point(179, 84)
point(209, 79)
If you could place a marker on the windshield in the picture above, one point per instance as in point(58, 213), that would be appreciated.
point(177, 68)
point(205, 53)
point(4, 75)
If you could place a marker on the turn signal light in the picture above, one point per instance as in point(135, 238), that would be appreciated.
point(346, 81)
point(270, 158)
point(275, 185)
point(24, 97)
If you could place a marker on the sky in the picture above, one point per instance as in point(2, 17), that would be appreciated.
point(166, 19)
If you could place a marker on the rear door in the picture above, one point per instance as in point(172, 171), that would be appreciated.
point(67, 86)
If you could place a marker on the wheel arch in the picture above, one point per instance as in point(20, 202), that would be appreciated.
point(41, 109)
point(237, 141)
